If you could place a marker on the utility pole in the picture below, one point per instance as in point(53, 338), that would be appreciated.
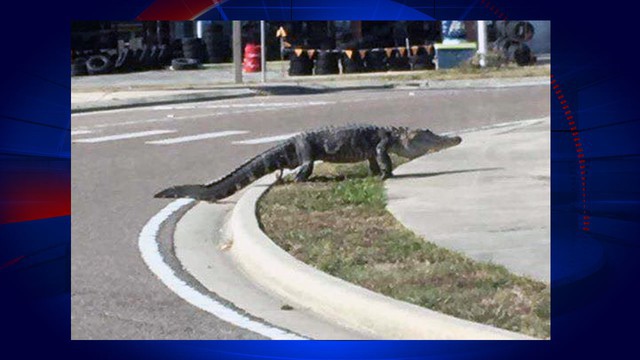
point(482, 42)
point(263, 50)
point(237, 51)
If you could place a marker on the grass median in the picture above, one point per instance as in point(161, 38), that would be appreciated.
point(338, 223)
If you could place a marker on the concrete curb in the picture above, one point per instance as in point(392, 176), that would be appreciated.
point(158, 100)
point(339, 301)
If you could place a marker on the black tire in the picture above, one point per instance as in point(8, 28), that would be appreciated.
point(151, 62)
point(522, 55)
point(124, 61)
point(176, 49)
point(326, 63)
point(355, 64)
point(99, 64)
point(397, 62)
point(300, 65)
point(518, 30)
point(79, 67)
point(143, 58)
point(375, 61)
point(422, 60)
point(217, 50)
point(185, 64)
point(193, 48)
point(164, 56)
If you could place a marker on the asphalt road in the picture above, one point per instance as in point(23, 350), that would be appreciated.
point(117, 168)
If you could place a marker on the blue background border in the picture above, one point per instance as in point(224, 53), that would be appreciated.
point(595, 272)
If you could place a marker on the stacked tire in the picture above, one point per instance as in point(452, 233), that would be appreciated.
point(327, 62)
point(375, 61)
point(521, 53)
point(193, 48)
point(422, 60)
point(398, 61)
point(125, 61)
point(79, 67)
point(300, 64)
point(352, 64)
point(217, 45)
point(511, 36)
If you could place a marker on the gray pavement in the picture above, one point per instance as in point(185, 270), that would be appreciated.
point(488, 198)
point(118, 164)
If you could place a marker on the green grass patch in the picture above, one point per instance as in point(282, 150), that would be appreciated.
point(338, 223)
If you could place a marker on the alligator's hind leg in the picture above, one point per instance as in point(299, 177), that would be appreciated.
point(374, 167)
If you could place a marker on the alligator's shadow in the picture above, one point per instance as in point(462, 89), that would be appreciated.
point(440, 173)
point(337, 178)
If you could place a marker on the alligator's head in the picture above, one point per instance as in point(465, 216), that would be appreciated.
point(414, 143)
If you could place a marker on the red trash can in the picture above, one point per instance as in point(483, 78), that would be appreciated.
point(252, 61)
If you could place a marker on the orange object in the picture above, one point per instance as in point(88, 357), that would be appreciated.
point(251, 62)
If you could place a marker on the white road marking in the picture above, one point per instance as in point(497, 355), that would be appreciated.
point(150, 252)
point(264, 140)
point(227, 109)
point(196, 137)
point(241, 106)
point(123, 136)
point(80, 132)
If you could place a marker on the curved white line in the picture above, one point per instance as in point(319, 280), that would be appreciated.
point(151, 255)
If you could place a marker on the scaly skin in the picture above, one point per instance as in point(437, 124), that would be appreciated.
point(333, 144)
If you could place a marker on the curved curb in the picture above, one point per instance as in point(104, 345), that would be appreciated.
point(340, 301)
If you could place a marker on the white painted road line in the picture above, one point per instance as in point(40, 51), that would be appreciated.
point(241, 106)
point(196, 137)
point(264, 140)
point(148, 246)
point(123, 136)
point(80, 132)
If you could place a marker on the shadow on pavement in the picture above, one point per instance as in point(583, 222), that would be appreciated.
point(423, 175)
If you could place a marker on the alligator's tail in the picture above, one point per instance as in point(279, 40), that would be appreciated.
point(279, 157)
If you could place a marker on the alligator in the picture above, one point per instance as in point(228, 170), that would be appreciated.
point(346, 144)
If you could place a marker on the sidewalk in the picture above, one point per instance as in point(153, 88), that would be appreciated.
point(213, 82)
point(488, 198)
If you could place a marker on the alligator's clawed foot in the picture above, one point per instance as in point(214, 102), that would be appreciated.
point(279, 179)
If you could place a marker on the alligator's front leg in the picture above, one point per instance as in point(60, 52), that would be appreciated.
point(304, 153)
point(383, 159)
point(305, 171)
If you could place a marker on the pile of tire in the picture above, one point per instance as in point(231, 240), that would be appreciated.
point(176, 49)
point(326, 62)
point(511, 38)
point(193, 48)
point(217, 45)
point(398, 61)
point(375, 60)
point(519, 31)
point(79, 66)
point(99, 64)
point(185, 64)
point(352, 62)
point(300, 64)
point(125, 61)
point(422, 59)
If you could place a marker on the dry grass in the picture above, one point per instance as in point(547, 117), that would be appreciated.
point(339, 224)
